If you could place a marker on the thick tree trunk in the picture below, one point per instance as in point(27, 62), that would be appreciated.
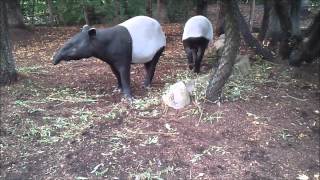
point(8, 72)
point(15, 17)
point(252, 14)
point(202, 7)
point(249, 39)
point(51, 12)
point(265, 20)
point(219, 27)
point(149, 8)
point(229, 54)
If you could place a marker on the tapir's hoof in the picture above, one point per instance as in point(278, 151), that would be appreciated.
point(190, 66)
point(127, 98)
point(116, 90)
point(147, 87)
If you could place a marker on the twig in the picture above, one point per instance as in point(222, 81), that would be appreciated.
point(298, 99)
point(152, 133)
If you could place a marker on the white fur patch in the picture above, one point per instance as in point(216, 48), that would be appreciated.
point(198, 26)
point(147, 37)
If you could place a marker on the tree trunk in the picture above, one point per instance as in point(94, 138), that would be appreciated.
point(202, 7)
point(51, 12)
point(15, 17)
point(295, 17)
point(280, 7)
point(117, 5)
point(265, 20)
point(126, 8)
point(8, 72)
point(161, 11)
point(33, 10)
point(149, 8)
point(252, 14)
point(218, 79)
point(86, 15)
point(249, 39)
point(220, 19)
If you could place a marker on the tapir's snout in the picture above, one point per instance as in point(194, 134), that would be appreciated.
point(56, 58)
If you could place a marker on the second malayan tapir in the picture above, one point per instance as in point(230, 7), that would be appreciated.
point(138, 40)
point(197, 33)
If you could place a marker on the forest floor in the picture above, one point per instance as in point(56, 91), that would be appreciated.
point(66, 122)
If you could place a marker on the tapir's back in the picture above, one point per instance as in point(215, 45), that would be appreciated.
point(147, 37)
point(198, 26)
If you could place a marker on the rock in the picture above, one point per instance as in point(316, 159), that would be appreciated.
point(242, 65)
point(177, 96)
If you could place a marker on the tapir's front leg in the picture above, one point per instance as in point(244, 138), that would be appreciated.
point(124, 71)
point(117, 74)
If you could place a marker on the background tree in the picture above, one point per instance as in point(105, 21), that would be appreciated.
point(219, 78)
point(8, 72)
point(265, 20)
point(149, 8)
point(251, 41)
point(202, 7)
point(15, 17)
point(51, 12)
point(219, 27)
point(252, 13)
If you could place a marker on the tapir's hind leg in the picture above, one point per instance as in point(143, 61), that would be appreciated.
point(199, 59)
point(150, 68)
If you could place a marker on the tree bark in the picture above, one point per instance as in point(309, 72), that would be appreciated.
point(252, 14)
point(126, 8)
point(202, 7)
point(8, 73)
point(280, 7)
point(86, 15)
point(149, 8)
point(232, 43)
point(219, 27)
point(295, 17)
point(15, 17)
point(249, 39)
point(265, 20)
point(161, 11)
point(51, 12)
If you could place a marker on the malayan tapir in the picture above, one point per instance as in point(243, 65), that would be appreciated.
point(138, 40)
point(197, 33)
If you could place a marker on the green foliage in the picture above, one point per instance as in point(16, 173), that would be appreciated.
point(179, 10)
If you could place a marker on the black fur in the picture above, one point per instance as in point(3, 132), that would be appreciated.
point(195, 48)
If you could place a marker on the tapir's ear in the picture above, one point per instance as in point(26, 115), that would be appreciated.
point(85, 28)
point(92, 32)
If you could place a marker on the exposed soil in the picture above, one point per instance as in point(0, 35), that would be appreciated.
point(66, 122)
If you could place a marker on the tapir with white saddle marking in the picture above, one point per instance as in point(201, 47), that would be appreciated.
point(139, 40)
point(197, 34)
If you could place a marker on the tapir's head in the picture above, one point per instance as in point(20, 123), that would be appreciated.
point(78, 47)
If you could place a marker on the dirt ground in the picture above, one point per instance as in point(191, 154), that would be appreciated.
point(67, 122)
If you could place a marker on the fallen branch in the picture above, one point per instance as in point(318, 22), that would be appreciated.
point(298, 99)
point(152, 133)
